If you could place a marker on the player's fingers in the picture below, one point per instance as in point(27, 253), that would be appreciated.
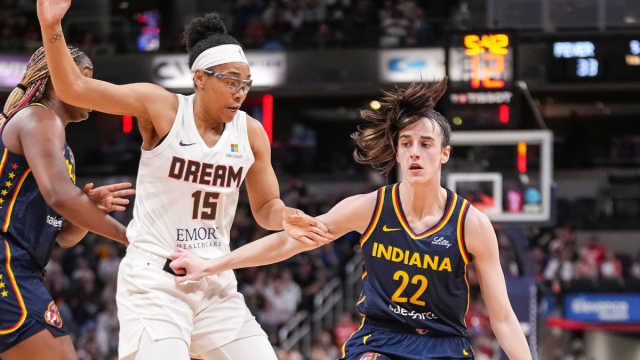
point(117, 208)
point(87, 188)
point(123, 193)
point(324, 238)
point(120, 201)
point(118, 186)
point(177, 253)
point(317, 239)
point(178, 265)
point(305, 240)
point(302, 220)
point(320, 229)
point(293, 217)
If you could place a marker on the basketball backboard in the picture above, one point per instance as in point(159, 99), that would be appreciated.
point(507, 174)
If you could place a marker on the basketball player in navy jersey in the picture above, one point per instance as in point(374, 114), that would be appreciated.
point(40, 205)
point(197, 150)
point(418, 240)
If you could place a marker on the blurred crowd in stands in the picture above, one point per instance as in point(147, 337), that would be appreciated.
point(278, 25)
point(564, 266)
point(260, 24)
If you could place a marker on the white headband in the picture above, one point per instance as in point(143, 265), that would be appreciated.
point(217, 55)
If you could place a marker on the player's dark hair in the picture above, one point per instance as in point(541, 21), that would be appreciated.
point(206, 32)
point(376, 140)
point(33, 86)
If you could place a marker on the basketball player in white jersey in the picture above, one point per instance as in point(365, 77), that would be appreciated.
point(196, 152)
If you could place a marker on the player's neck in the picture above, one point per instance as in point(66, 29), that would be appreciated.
point(422, 200)
point(206, 123)
point(55, 105)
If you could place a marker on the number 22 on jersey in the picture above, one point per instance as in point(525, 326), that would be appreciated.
point(404, 281)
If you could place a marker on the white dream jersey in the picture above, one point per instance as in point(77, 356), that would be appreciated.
point(186, 192)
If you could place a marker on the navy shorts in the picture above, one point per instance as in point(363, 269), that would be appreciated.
point(26, 308)
point(374, 342)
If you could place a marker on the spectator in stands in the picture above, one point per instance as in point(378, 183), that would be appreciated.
point(595, 251)
point(344, 328)
point(282, 297)
point(310, 278)
point(325, 342)
point(586, 267)
point(108, 263)
point(635, 268)
point(319, 353)
point(560, 267)
point(611, 267)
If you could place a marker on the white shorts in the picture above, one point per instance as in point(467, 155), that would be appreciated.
point(205, 314)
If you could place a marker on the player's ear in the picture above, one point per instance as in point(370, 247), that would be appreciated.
point(446, 152)
point(199, 77)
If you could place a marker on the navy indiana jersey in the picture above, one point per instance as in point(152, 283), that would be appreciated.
point(24, 215)
point(416, 281)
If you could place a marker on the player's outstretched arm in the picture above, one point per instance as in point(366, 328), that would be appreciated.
point(145, 101)
point(483, 245)
point(264, 195)
point(351, 214)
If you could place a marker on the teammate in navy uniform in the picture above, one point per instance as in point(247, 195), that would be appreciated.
point(418, 240)
point(40, 205)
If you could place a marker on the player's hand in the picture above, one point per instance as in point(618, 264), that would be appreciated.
point(110, 197)
point(51, 12)
point(192, 267)
point(305, 229)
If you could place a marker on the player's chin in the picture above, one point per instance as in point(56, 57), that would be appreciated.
point(416, 178)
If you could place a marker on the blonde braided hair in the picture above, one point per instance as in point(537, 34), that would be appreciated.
point(33, 85)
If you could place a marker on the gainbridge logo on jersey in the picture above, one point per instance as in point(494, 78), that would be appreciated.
point(198, 238)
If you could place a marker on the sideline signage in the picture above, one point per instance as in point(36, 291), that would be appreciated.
point(172, 71)
point(12, 68)
point(602, 307)
point(408, 65)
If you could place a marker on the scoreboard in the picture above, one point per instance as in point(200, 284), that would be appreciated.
point(480, 69)
point(594, 60)
point(481, 61)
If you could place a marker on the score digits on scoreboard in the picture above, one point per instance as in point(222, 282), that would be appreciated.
point(481, 61)
point(487, 53)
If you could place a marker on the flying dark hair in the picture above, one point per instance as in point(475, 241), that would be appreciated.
point(206, 32)
point(376, 140)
